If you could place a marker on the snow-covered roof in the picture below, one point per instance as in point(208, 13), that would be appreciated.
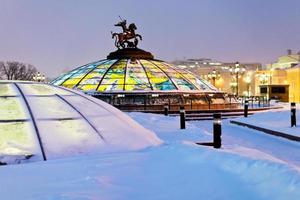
point(41, 121)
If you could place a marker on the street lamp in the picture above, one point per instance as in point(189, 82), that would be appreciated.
point(247, 79)
point(236, 71)
point(263, 78)
point(39, 77)
point(214, 75)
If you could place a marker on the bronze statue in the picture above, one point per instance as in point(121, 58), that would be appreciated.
point(127, 39)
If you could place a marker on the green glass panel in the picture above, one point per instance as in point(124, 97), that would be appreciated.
point(12, 108)
point(95, 76)
point(117, 71)
point(135, 74)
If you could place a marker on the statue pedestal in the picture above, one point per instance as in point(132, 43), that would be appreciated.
point(129, 53)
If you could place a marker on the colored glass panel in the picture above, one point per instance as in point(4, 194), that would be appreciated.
point(135, 74)
point(72, 82)
point(165, 68)
point(88, 87)
point(137, 87)
point(94, 76)
point(117, 71)
point(113, 87)
point(158, 79)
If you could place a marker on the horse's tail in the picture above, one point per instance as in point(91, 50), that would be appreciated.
point(139, 36)
point(114, 35)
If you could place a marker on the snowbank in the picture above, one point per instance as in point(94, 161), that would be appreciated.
point(277, 120)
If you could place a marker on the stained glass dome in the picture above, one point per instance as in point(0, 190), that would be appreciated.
point(132, 75)
point(40, 122)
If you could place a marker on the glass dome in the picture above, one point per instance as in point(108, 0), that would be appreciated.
point(132, 75)
point(40, 122)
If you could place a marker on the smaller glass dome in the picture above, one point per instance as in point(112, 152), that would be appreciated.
point(40, 122)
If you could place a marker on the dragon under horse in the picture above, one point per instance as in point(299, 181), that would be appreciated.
point(128, 38)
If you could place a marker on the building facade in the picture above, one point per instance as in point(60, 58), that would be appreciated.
point(225, 81)
point(278, 80)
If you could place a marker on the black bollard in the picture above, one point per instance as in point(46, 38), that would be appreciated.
point(217, 130)
point(182, 117)
point(246, 108)
point(166, 109)
point(293, 114)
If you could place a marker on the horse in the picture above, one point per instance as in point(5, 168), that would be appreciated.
point(128, 34)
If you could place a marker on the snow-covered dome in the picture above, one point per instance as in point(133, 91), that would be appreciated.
point(40, 122)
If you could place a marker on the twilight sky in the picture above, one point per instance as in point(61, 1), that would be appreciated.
point(55, 35)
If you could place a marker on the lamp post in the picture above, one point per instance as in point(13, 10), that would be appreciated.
point(263, 78)
point(39, 77)
point(214, 75)
point(236, 71)
point(247, 79)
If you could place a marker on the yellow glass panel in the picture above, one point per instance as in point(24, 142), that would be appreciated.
point(87, 87)
point(71, 82)
point(117, 71)
point(104, 88)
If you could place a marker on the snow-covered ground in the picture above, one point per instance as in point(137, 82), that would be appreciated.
point(250, 165)
point(277, 120)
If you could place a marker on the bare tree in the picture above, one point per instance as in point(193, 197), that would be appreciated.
point(13, 70)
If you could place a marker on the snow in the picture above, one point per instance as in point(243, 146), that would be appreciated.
point(250, 165)
point(277, 120)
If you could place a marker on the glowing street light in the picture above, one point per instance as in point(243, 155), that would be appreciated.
point(236, 71)
point(247, 80)
point(214, 75)
point(264, 78)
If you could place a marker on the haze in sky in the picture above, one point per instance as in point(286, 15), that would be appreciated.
point(56, 35)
